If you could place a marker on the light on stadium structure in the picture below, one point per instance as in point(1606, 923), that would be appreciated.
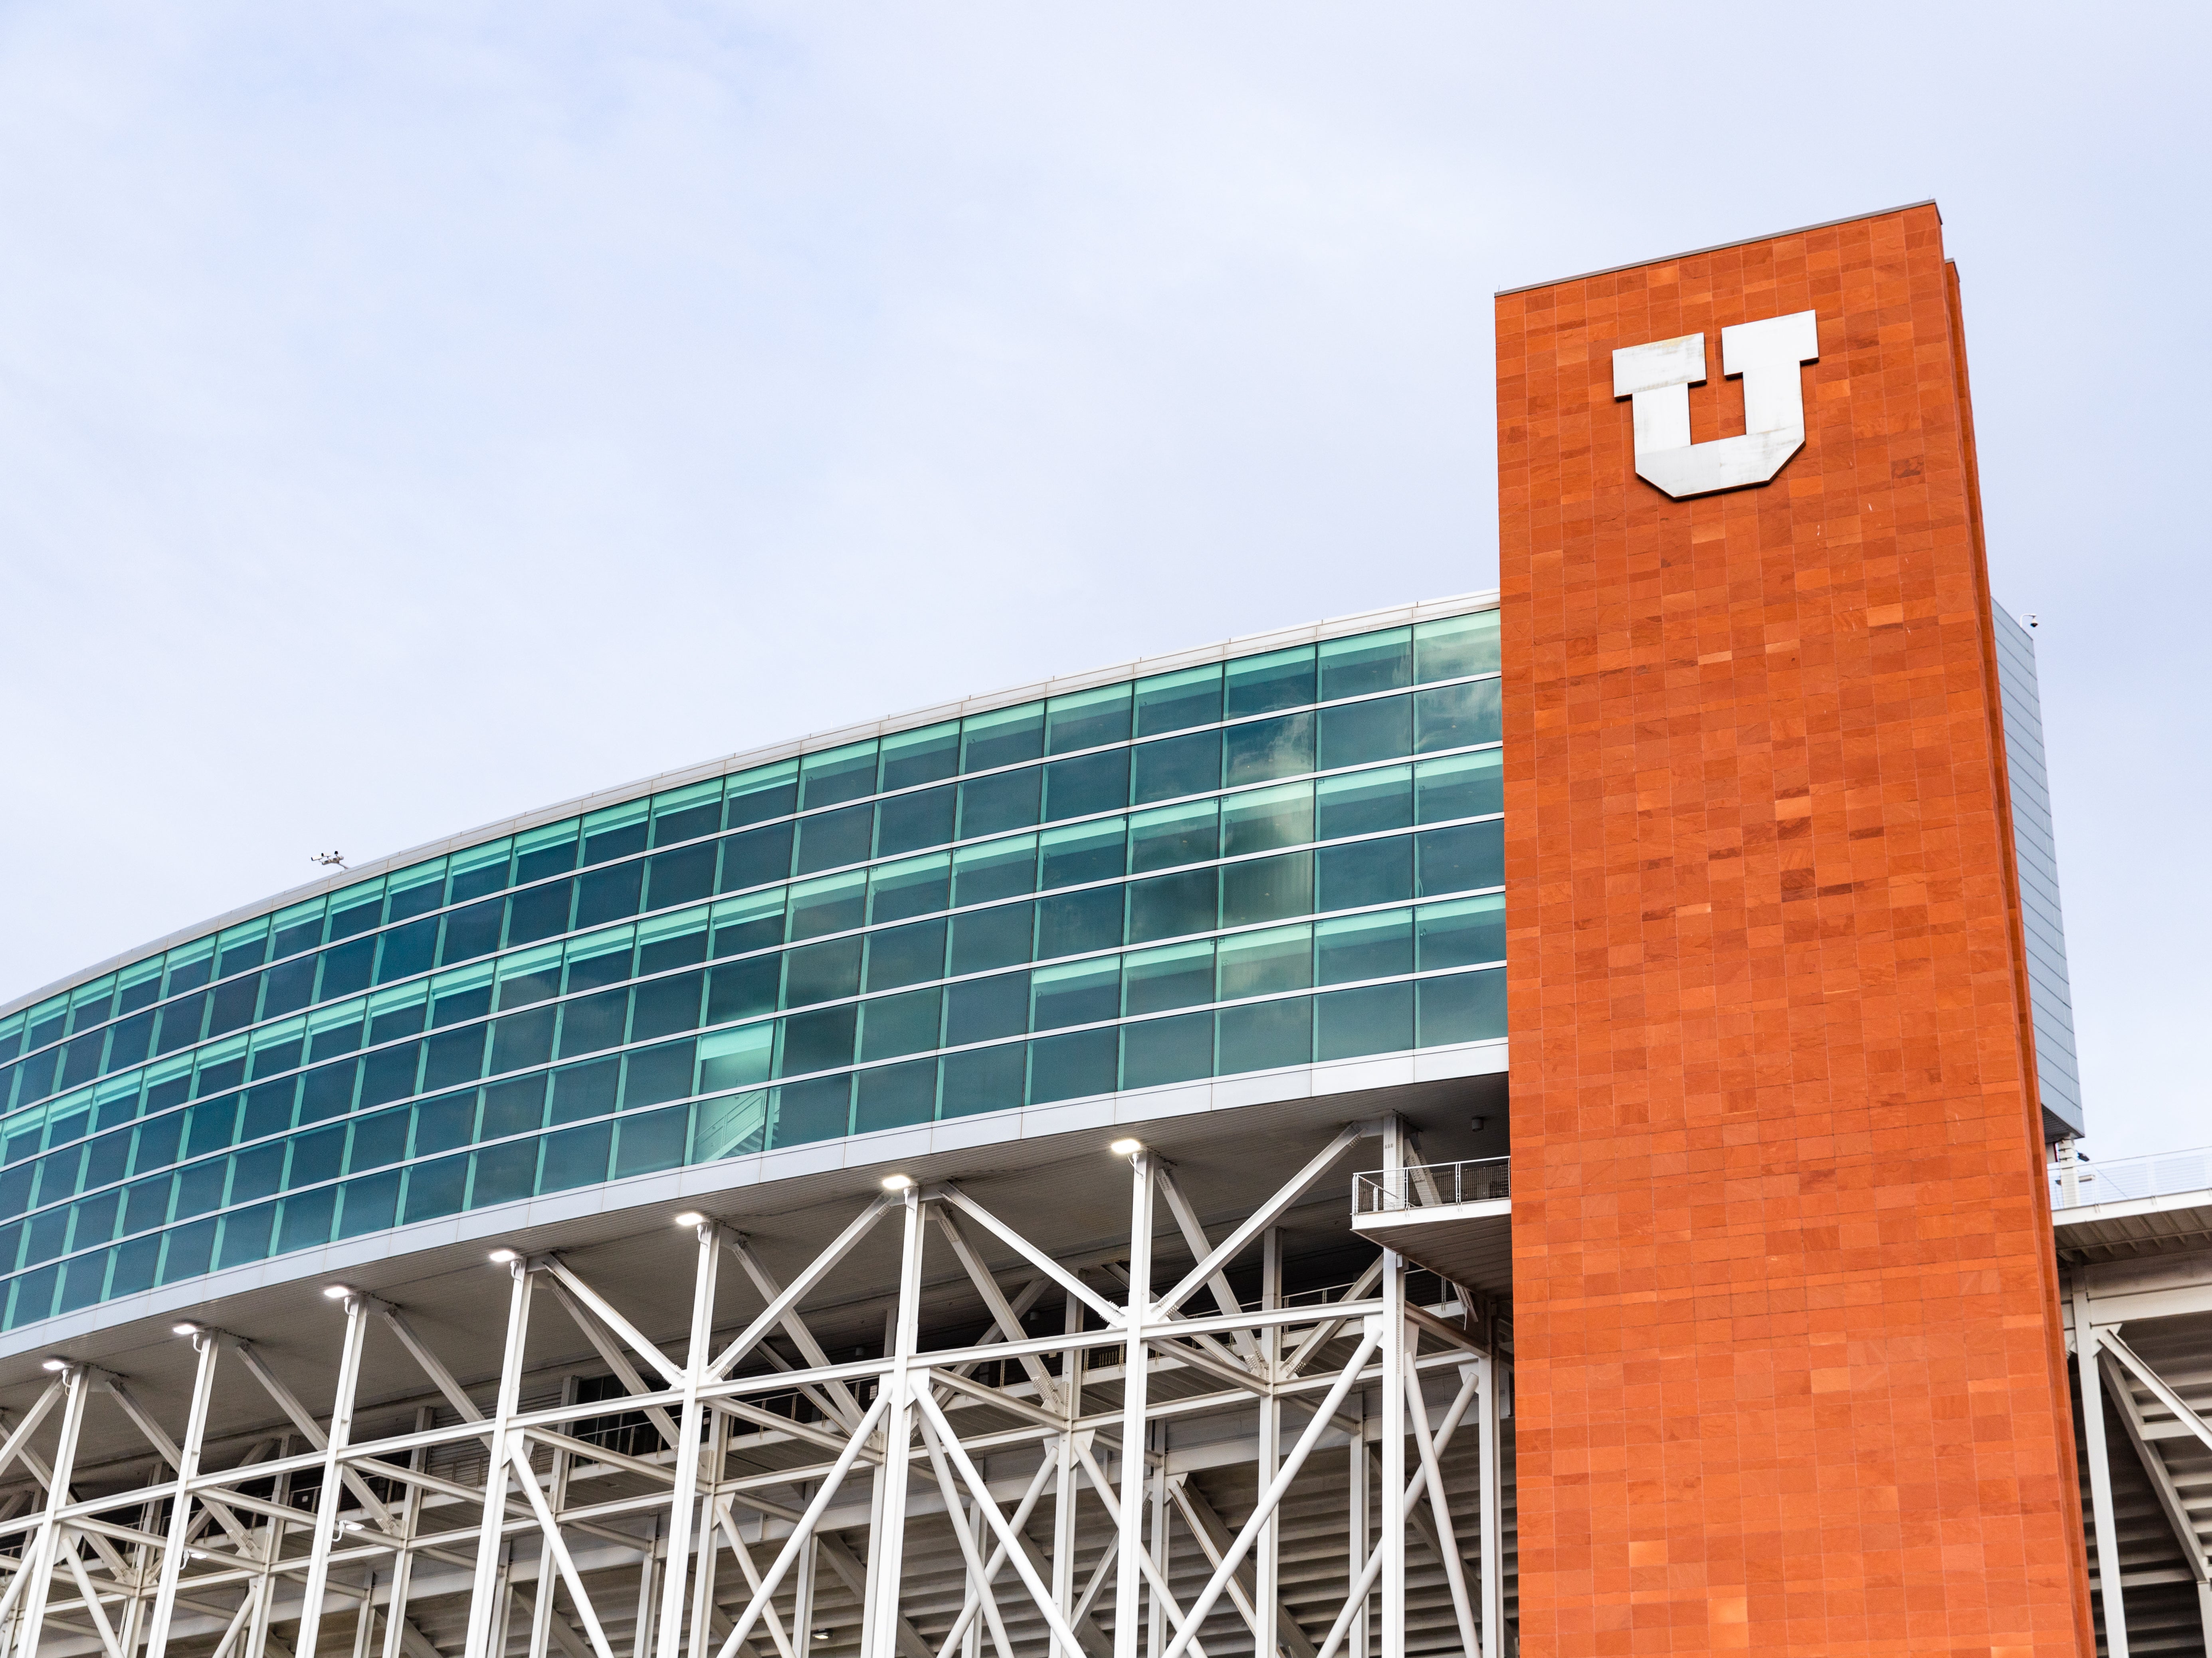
point(897, 1182)
point(690, 1217)
point(54, 1364)
point(501, 1255)
point(337, 1291)
point(1126, 1147)
point(184, 1329)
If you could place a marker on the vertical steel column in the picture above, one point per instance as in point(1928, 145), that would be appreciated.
point(640, 1638)
point(1267, 1568)
point(886, 1549)
point(1355, 1530)
point(802, 1601)
point(1489, 1446)
point(484, 1599)
point(684, 1502)
point(364, 1619)
point(205, 1347)
point(1391, 1543)
point(326, 1506)
point(402, 1566)
point(1065, 1493)
point(46, 1545)
point(2100, 1476)
point(1129, 1566)
point(703, 1577)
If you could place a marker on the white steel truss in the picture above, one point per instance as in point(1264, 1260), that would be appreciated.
point(1165, 1469)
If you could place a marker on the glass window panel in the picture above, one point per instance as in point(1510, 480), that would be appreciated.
point(211, 1126)
point(985, 939)
point(187, 968)
point(335, 1030)
point(1454, 716)
point(145, 1204)
point(756, 857)
point(736, 1059)
point(1260, 1035)
point(406, 951)
point(655, 1141)
point(586, 1090)
point(1459, 934)
point(1372, 1019)
point(755, 796)
point(998, 870)
point(1365, 872)
point(464, 993)
point(1168, 905)
point(1073, 923)
point(986, 1079)
point(1366, 662)
point(453, 1057)
point(536, 912)
point(1006, 801)
point(1456, 645)
point(316, 1157)
point(909, 821)
point(390, 1073)
point(1266, 889)
point(80, 1058)
point(1174, 702)
point(816, 1042)
point(107, 1159)
point(603, 958)
point(516, 1106)
point(1360, 732)
point(892, 1025)
point(182, 1023)
point(685, 814)
point(1090, 783)
point(983, 1009)
point(399, 1013)
point(616, 831)
point(651, 1075)
point(237, 950)
point(740, 990)
point(522, 1039)
point(1079, 993)
point(354, 909)
point(529, 975)
point(837, 775)
point(1463, 785)
point(410, 892)
point(246, 1236)
point(752, 922)
point(307, 1220)
point(1180, 766)
point(134, 1264)
point(443, 1124)
point(369, 1205)
point(1168, 836)
point(138, 985)
point(822, 973)
point(682, 877)
point(1002, 738)
point(1267, 749)
point(895, 1096)
point(348, 968)
point(327, 1092)
point(1083, 852)
point(115, 1100)
point(606, 895)
point(471, 933)
point(1174, 975)
point(1156, 1052)
point(1068, 1067)
point(835, 838)
point(1464, 1007)
point(1374, 946)
point(436, 1189)
point(1087, 719)
point(817, 1111)
point(671, 941)
point(478, 869)
point(1265, 818)
point(1459, 860)
point(1363, 802)
point(906, 955)
point(185, 1254)
point(257, 1173)
point(927, 756)
point(576, 1157)
point(549, 849)
point(832, 903)
point(913, 886)
point(11, 1039)
point(378, 1138)
point(1261, 684)
point(1262, 963)
point(293, 930)
point(130, 1042)
point(589, 1023)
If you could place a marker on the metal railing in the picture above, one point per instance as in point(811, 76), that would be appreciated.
point(2079, 1184)
point(1426, 1185)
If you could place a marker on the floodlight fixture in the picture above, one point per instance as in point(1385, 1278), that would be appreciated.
point(690, 1217)
point(897, 1182)
point(1126, 1147)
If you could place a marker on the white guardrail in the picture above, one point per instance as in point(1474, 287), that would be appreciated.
point(2076, 1184)
point(1426, 1185)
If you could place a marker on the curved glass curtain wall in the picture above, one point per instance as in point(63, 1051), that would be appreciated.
point(1283, 858)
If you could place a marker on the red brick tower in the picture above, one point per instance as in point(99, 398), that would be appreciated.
point(1790, 1374)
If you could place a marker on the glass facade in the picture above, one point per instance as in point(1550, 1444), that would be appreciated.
point(1284, 858)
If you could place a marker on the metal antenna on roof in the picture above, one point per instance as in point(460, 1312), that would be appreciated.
point(328, 860)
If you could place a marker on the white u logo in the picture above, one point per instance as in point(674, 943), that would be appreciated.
point(1659, 376)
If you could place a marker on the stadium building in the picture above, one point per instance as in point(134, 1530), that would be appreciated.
point(1517, 1122)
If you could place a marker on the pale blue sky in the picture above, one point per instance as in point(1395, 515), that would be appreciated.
point(410, 414)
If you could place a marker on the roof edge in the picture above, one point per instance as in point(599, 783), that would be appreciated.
point(982, 702)
point(1720, 247)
